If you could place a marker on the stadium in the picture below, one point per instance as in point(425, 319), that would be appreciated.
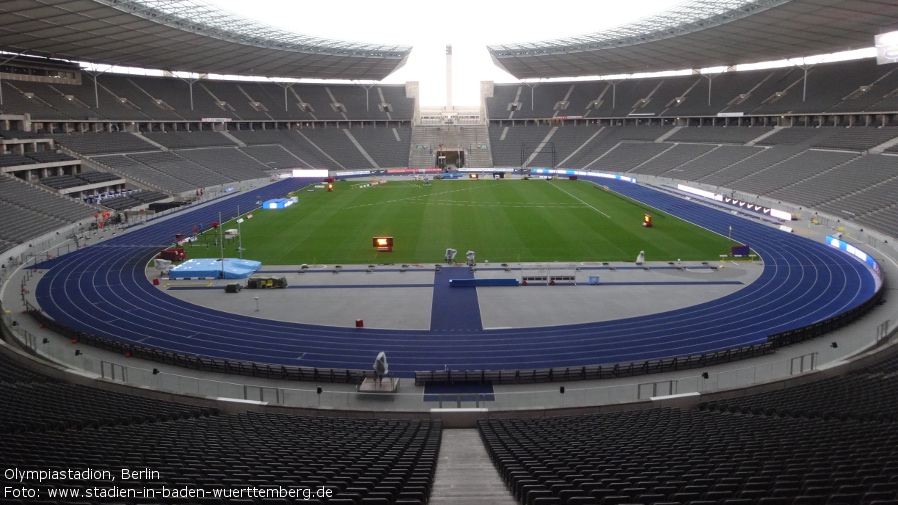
point(611, 281)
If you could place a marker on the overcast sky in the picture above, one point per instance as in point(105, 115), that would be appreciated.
point(429, 26)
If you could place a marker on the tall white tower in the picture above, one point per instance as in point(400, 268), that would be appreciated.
point(448, 77)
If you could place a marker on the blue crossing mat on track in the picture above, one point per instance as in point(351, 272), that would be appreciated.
point(454, 308)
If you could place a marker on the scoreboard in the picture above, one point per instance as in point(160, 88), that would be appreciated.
point(384, 244)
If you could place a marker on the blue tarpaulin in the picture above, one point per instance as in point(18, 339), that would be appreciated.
point(211, 268)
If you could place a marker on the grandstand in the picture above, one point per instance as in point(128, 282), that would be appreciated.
point(96, 361)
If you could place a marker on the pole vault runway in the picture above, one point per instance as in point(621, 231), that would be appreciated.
point(104, 289)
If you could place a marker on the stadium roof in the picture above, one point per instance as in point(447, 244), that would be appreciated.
point(706, 33)
point(184, 35)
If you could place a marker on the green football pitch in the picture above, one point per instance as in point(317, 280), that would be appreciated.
point(501, 220)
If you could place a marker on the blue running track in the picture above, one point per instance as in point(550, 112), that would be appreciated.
point(103, 289)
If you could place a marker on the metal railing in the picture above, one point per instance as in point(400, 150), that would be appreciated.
point(347, 397)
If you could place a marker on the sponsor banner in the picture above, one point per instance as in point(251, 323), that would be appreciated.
point(413, 171)
point(352, 173)
point(603, 175)
point(781, 214)
point(854, 251)
point(618, 177)
point(760, 209)
point(486, 170)
point(216, 120)
point(730, 114)
point(311, 172)
point(699, 192)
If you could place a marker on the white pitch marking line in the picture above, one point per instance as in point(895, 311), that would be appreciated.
point(581, 201)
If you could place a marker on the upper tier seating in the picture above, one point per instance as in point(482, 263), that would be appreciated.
point(49, 156)
point(831, 87)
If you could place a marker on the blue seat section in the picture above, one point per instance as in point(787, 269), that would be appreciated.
point(454, 309)
point(103, 289)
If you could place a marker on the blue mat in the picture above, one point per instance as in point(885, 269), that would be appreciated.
point(454, 308)
point(453, 392)
point(209, 268)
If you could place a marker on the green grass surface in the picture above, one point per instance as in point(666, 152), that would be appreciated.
point(502, 221)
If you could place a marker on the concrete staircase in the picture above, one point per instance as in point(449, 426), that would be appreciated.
point(765, 135)
point(885, 145)
point(419, 152)
point(476, 137)
point(426, 141)
point(465, 474)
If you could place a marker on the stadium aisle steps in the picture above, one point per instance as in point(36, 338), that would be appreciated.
point(465, 473)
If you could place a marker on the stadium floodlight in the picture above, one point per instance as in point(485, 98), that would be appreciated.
point(450, 255)
point(470, 256)
point(886, 48)
point(640, 259)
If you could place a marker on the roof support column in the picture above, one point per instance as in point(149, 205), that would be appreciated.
point(614, 92)
point(367, 89)
point(94, 75)
point(189, 82)
point(804, 89)
point(805, 67)
point(286, 86)
point(532, 86)
point(710, 78)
